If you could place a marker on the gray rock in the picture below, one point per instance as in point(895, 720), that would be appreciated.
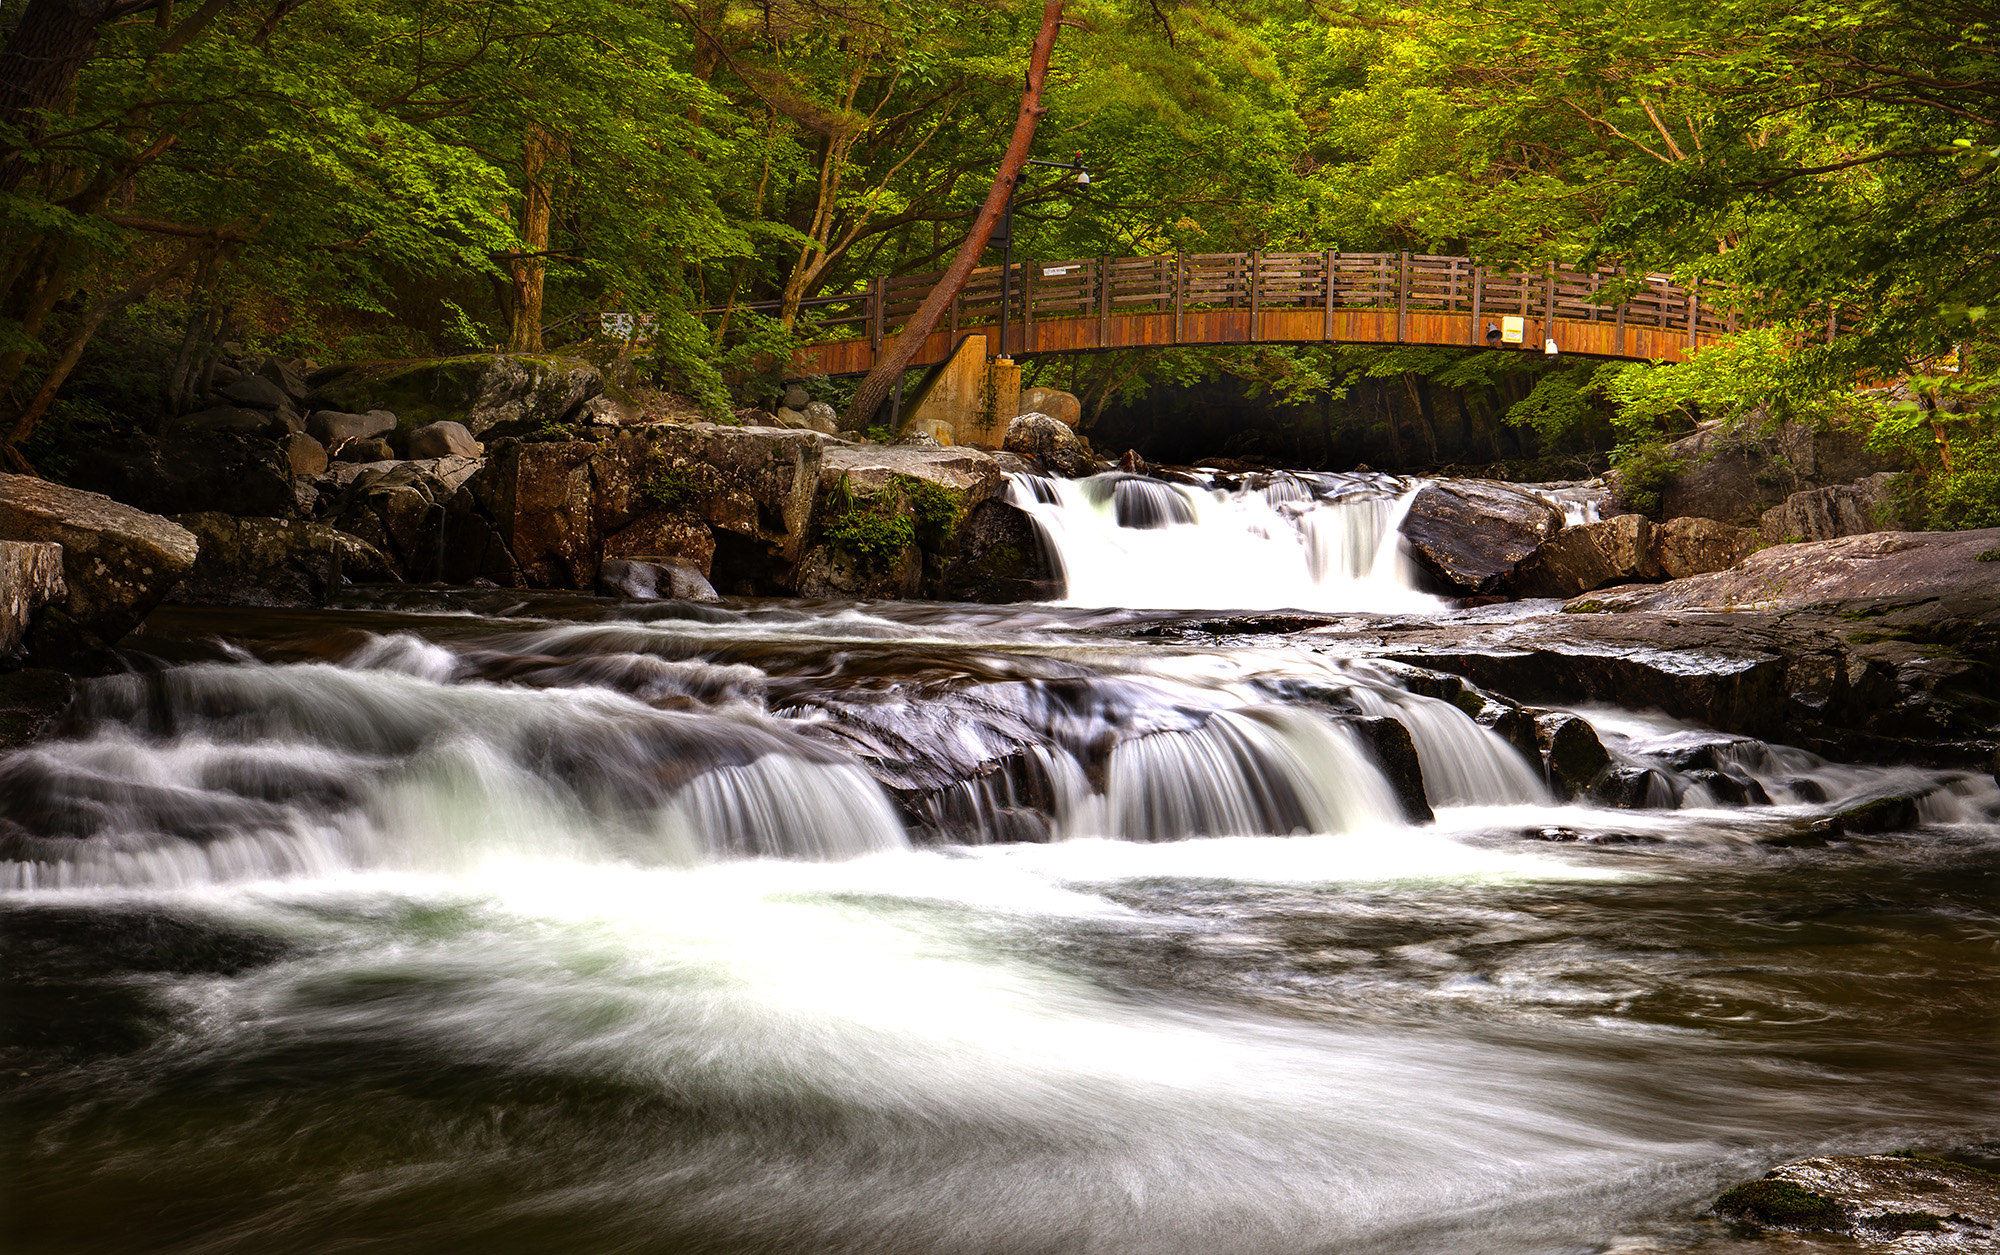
point(789, 418)
point(285, 375)
point(1578, 559)
point(1389, 744)
point(365, 450)
point(1057, 404)
point(1696, 546)
point(193, 471)
point(821, 417)
point(606, 411)
point(444, 439)
point(31, 576)
point(118, 562)
point(30, 702)
point(1572, 756)
point(927, 433)
point(1866, 505)
point(305, 455)
point(795, 397)
point(1473, 533)
point(1794, 577)
point(1733, 472)
point(273, 562)
point(651, 581)
point(516, 389)
point(228, 418)
point(256, 392)
point(330, 427)
point(1052, 443)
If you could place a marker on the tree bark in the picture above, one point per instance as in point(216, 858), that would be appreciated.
point(529, 272)
point(897, 354)
point(41, 59)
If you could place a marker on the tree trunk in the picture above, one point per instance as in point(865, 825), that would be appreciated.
point(525, 332)
point(896, 355)
point(43, 54)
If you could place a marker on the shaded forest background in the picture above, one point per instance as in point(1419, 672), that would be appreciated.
point(343, 179)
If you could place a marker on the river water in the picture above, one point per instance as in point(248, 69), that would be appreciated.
point(489, 922)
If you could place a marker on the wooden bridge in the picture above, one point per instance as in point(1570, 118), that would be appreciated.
point(1095, 304)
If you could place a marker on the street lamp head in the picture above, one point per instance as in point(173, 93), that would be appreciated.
point(1083, 178)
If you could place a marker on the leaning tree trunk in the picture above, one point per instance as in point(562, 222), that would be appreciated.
point(897, 354)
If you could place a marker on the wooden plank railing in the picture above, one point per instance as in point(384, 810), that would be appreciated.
point(1098, 286)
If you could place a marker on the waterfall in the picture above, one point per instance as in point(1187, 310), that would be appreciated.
point(1284, 541)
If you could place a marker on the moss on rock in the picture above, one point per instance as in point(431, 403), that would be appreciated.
point(1783, 1205)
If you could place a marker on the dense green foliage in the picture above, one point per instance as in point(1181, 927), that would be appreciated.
point(346, 178)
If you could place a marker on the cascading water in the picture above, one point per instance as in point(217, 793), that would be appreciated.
point(891, 929)
point(1292, 541)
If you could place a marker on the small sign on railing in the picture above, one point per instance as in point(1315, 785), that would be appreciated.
point(622, 326)
point(1050, 272)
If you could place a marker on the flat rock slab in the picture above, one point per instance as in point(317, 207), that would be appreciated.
point(869, 468)
point(118, 562)
point(1790, 577)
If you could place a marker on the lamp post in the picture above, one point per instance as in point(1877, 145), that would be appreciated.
point(1005, 234)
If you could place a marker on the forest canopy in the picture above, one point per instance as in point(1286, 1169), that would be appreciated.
point(339, 179)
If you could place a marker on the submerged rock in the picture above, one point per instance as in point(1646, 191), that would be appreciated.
point(1876, 1199)
point(654, 581)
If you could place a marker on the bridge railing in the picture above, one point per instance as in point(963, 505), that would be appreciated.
point(1101, 287)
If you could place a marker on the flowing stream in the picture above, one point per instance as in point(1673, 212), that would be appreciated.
point(490, 923)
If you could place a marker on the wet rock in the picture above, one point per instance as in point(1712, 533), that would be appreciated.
point(1388, 743)
point(653, 581)
point(31, 576)
point(1898, 565)
point(1578, 559)
point(1471, 534)
point(1866, 505)
point(1628, 786)
point(1001, 558)
point(1894, 813)
point(196, 471)
point(1572, 756)
point(118, 562)
point(1877, 1199)
point(333, 427)
point(1051, 443)
point(1057, 404)
point(31, 701)
point(420, 517)
point(256, 392)
point(479, 390)
point(1696, 546)
point(304, 456)
point(1733, 473)
point(274, 562)
point(443, 440)
point(1132, 464)
point(229, 418)
point(372, 449)
point(1729, 789)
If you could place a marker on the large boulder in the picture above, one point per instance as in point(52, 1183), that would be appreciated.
point(335, 427)
point(653, 581)
point(422, 518)
point(1696, 546)
point(31, 576)
point(1795, 577)
point(1733, 472)
point(274, 562)
point(257, 393)
point(118, 562)
point(481, 391)
point(197, 471)
point(1578, 559)
point(230, 418)
point(1866, 505)
point(741, 497)
point(1054, 402)
point(1471, 533)
point(304, 455)
point(1050, 442)
point(444, 439)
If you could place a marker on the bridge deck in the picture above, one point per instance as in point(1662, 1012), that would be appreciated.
point(1103, 303)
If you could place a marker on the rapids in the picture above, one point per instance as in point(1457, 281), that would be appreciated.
point(577, 926)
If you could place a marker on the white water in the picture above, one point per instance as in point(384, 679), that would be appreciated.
point(1327, 543)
